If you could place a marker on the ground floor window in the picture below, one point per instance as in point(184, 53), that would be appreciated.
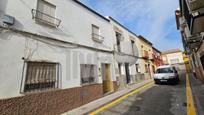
point(41, 76)
point(88, 73)
point(146, 68)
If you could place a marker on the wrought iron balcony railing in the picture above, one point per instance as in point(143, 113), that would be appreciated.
point(45, 18)
point(97, 38)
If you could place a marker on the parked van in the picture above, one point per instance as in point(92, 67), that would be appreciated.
point(166, 73)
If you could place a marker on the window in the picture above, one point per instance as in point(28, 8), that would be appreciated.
point(46, 8)
point(146, 68)
point(96, 34)
point(165, 70)
point(88, 73)
point(137, 68)
point(132, 44)
point(45, 13)
point(95, 31)
point(118, 38)
point(146, 54)
point(174, 61)
point(119, 68)
point(41, 76)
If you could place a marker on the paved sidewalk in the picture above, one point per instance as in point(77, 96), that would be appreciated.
point(198, 94)
point(98, 103)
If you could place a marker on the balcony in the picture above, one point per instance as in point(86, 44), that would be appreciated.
point(145, 54)
point(197, 24)
point(195, 5)
point(194, 41)
point(97, 38)
point(45, 18)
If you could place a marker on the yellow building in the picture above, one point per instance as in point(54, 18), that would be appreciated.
point(145, 62)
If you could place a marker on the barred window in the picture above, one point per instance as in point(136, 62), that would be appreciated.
point(46, 11)
point(41, 76)
point(88, 73)
point(95, 32)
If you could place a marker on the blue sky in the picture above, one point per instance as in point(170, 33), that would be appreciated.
point(153, 19)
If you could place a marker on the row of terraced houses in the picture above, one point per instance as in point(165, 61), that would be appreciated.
point(56, 58)
point(190, 22)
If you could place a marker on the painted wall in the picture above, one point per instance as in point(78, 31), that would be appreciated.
point(142, 62)
point(174, 56)
point(14, 47)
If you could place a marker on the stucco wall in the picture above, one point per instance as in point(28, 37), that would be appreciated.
point(14, 47)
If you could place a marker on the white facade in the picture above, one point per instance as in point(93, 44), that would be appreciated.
point(75, 27)
point(174, 58)
point(128, 53)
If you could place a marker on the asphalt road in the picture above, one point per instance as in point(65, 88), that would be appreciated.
point(164, 99)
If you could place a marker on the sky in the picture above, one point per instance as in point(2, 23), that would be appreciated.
point(153, 19)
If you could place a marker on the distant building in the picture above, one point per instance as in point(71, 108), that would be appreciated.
point(174, 56)
point(157, 57)
point(146, 56)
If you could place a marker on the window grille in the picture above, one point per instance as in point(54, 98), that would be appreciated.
point(88, 73)
point(46, 13)
point(41, 76)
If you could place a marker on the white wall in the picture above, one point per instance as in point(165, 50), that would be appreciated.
point(178, 55)
point(75, 27)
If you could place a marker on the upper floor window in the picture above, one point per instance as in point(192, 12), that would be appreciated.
point(45, 13)
point(132, 44)
point(96, 34)
point(118, 39)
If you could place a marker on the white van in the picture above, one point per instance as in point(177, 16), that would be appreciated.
point(166, 73)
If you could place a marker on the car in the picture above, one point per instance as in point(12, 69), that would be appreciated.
point(166, 73)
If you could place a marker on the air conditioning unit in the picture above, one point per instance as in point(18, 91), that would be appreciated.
point(9, 20)
point(194, 5)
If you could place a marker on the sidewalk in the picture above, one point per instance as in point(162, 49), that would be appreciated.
point(100, 102)
point(198, 94)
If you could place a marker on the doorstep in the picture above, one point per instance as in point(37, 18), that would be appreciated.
point(100, 102)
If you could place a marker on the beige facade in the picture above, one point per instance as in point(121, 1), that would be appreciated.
point(145, 62)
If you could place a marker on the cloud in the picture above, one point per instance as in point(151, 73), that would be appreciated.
point(153, 19)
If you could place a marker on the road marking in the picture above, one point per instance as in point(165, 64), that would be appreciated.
point(121, 98)
point(190, 103)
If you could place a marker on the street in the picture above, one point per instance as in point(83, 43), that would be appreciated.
point(163, 99)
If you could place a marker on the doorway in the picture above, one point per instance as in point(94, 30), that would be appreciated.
point(127, 71)
point(106, 76)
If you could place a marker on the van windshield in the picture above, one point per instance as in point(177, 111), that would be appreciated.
point(165, 70)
